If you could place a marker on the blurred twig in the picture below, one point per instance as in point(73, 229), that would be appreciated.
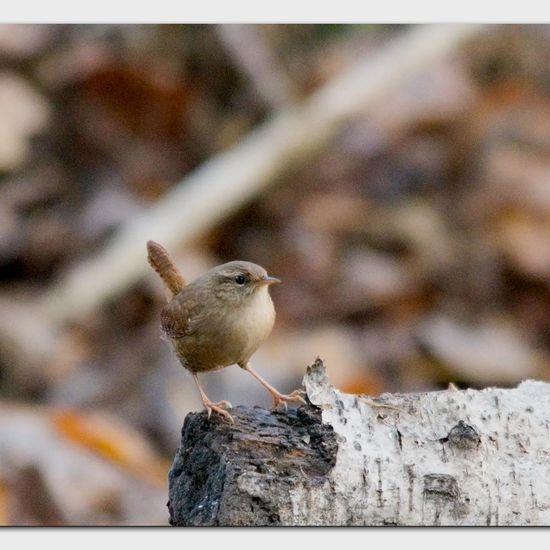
point(250, 52)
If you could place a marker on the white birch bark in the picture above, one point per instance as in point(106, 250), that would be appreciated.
point(450, 458)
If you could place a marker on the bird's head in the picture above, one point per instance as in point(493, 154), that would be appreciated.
point(238, 280)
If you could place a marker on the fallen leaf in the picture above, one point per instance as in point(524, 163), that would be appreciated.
point(525, 240)
point(489, 352)
point(114, 441)
point(23, 112)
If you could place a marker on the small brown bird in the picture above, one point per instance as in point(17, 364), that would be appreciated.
point(220, 319)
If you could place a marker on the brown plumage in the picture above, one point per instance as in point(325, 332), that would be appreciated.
point(220, 319)
point(160, 261)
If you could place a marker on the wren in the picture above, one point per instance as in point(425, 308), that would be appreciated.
point(219, 319)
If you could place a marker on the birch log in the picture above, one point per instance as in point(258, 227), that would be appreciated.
point(445, 458)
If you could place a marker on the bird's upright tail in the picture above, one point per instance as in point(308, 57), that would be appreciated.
point(160, 261)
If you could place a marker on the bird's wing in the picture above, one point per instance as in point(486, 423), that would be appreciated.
point(181, 316)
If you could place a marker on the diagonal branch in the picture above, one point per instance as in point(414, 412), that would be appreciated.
point(223, 184)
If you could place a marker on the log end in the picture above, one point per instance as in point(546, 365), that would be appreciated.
point(241, 474)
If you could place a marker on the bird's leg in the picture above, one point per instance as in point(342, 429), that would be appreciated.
point(216, 407)
point(277, 397)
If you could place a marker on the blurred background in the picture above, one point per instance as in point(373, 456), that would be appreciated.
point(414, 246)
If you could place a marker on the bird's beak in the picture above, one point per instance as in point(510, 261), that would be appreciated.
point(269, 281)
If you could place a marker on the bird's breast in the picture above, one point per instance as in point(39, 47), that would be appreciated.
point(258, 315)
point(251, 324)
point(230, 337)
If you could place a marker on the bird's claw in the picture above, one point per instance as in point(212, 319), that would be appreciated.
point(224, 403)
point(279, 398)
point(217, 408)
point(297, 396)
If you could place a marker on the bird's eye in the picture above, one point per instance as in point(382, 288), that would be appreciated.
point(240, 279)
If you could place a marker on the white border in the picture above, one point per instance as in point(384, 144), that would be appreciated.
point(259, 11)
point(281, 11)
point(279, 539)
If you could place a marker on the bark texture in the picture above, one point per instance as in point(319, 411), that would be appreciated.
point(445, 458)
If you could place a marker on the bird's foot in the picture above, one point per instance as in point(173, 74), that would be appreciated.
point(279, 398)
point(217, 408)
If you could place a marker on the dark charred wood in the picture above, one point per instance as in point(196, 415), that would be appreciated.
point(242, 474)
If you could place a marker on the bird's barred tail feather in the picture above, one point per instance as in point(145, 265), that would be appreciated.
point(160, 261)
